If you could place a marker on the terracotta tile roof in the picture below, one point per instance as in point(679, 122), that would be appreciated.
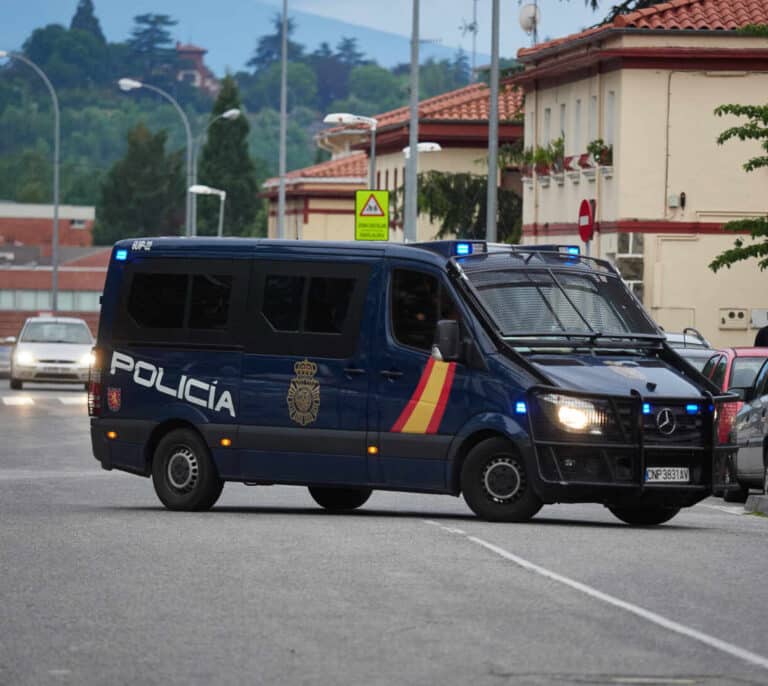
point(469, 103)
point(354, 166)
point(679, 15)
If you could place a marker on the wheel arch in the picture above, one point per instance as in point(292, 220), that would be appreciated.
point(157, 435)
point(480, 429)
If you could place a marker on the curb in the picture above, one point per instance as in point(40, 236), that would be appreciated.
point(757, 503)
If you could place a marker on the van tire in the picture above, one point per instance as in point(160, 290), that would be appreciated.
point(644, 516)
point(183, 473)
point(495, 483)
point(16, 384)
point(339, 499)
point(736, 494)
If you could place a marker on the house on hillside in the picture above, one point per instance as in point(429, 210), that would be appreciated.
point(646, 86)
point(194, 70)
point(457, 121)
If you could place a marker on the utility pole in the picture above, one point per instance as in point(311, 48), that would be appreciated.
point(493, 130)
point(411, 209)
point(283, 123)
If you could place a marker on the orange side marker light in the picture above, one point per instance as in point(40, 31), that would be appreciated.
point(111, 435)
point(226, 442)
point(373, 450)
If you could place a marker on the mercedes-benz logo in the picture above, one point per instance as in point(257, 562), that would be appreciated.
point(665, 421)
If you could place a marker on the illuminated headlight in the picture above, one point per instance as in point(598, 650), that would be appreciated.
point(574, 414)
point(25, 358)
point(87, 360)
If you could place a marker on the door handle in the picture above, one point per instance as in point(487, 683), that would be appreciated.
point(391, 374)
point(353, 371)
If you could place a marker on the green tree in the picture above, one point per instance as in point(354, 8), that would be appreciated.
point(226, 164)
point(376, 85)
point(348, 53)
point(302, 87)
point(331, 74)
point(151, 47)
point(459, 203)
point(269, 47)
point(143, 193)
point(85, 19)
point(755, 129)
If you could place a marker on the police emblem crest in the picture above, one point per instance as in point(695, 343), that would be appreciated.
point(304, 393)
point(113, 399)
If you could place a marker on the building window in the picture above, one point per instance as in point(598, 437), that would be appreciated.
point(561, 132)
point(547, 125)
point(629, 260)
point(592, 117)
point(77, 224)
point(577, 150)
point(7, 300)
point(610, 105)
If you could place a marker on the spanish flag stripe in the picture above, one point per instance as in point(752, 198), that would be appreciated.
point(406, 413)
point(426, 407)
point(442, 402)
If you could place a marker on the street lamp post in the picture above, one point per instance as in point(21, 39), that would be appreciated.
point(411, 213)
point(56, 146)
point(371, 123)
point(493, 129)
point(283, 121)
point(131, 84)
point(229, 115)
point(198, 189)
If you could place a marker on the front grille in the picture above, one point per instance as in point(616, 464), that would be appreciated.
point(688, 428)
point(57, 361)
point(48, 375)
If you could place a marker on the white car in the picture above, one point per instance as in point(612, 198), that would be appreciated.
point(52, 349)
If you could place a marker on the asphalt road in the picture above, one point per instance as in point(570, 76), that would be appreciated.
point(100, 585)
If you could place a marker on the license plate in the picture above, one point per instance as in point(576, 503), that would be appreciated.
point(55, 370)
point(667, 474)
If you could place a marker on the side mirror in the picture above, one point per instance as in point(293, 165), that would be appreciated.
point(741, 392)
point(447, 339)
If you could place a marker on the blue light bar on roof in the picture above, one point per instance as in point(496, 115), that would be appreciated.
point(121, 255)
point(573, 250)
point(463, 248)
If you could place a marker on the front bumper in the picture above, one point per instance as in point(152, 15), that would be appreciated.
point(609, 466)
point(61, 373)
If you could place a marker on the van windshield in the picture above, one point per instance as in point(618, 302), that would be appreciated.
point(555, 303)
point(56, 332)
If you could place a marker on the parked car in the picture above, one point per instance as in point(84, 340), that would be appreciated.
point(6, 347)
point(52, 349)
point(751, 435)
point(691, 346)
point(734, 370)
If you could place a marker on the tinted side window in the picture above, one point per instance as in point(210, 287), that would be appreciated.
point(418, 302)
point(328, 304)
point(282, 301)
point(718, 376)
point(209, 307)
point(709, 366)
point(157, 301)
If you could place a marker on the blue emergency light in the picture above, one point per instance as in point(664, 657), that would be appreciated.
point(646, 408)
point(573, 250)
point(521, 407)
point(121, 255)
point(463, 248)
point(692, 409)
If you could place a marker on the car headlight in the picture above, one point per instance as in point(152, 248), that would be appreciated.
point(24, 357)
point(88, 360)
point(574, 414)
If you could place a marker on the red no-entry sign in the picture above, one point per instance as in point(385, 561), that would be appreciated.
point(586, 220)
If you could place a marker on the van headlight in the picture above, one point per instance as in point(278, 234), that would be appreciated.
point(25, 358)
point(88, 360)
point(574, 414)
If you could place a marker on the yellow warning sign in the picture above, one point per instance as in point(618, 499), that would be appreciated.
point(372, 215)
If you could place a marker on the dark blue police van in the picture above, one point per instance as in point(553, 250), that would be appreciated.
point(515, 376)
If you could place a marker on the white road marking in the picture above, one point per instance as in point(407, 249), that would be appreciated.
point(73, 400)
point(725, 508)
point(671, 625)
point(17, 400)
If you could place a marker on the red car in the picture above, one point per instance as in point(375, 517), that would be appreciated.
point(733, 369)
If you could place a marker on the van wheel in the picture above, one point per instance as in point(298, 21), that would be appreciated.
point(183, 473)
point(16, 385)
point(339, 499)
point(644, 516)
point(495, 483)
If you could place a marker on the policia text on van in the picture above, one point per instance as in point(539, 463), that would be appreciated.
point(513, 376)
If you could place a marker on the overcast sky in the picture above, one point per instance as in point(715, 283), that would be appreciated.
point(441, 19)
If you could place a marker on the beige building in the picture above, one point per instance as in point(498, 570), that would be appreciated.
point(647, 84)
point(457, 121)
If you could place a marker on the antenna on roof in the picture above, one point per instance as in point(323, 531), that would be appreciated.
point(530, 18)
point(472, 27)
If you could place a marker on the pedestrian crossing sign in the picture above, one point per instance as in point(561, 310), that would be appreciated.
point(371, 215)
